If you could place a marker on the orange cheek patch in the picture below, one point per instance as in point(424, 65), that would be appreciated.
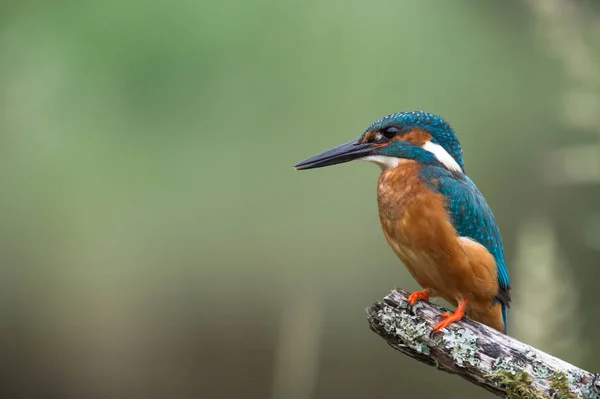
point(415, 137)
point(369, 136)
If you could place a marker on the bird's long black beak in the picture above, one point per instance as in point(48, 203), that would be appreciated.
point(344, 153)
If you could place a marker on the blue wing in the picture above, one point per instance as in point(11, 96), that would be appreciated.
point(471, 217)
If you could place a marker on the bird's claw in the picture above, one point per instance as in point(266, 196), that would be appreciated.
point(418, 296)
point(450, 318)
point(443, 324)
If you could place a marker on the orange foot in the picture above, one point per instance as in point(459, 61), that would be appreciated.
point(418, 296)
point(450, 318)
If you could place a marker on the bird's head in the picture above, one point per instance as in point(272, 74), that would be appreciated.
point(417, 136)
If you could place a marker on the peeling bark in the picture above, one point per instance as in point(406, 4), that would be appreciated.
point(477, 353)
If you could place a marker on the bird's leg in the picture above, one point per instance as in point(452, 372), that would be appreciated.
point(450, 318)
point(418, 296)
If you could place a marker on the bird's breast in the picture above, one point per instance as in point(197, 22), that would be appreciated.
point(415, 223)
point(410, 211)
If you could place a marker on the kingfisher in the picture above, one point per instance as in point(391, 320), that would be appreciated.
point(432, 215)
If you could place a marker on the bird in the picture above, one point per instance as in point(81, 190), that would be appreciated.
point(433, 215)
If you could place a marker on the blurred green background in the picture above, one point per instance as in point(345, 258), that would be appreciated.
point(156, 242)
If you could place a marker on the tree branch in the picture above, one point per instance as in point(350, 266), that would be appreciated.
point(477, 353)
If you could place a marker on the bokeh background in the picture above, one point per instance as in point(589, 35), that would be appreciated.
point(156, 242)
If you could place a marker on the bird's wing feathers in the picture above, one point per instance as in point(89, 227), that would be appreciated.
point(471, 217)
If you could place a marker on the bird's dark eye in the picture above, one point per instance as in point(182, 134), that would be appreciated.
point(390, 132)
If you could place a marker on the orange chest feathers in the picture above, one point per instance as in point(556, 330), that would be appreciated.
point(414, 219)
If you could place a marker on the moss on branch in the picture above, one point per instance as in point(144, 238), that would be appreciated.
point(477, 353)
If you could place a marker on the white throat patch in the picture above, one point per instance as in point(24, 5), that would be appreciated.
point(442, 155)
point(384, 162)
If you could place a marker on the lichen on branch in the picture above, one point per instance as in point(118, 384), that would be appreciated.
point(477, 353)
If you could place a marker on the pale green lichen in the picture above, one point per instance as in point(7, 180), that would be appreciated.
point(413, 308)
point(417, 305)
point(387, 320)
point(574, 377)
point(406, 328)
point(505, 363)
point(590, 390)
point(541, 371)
point(530, 355)
point(462, 345)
